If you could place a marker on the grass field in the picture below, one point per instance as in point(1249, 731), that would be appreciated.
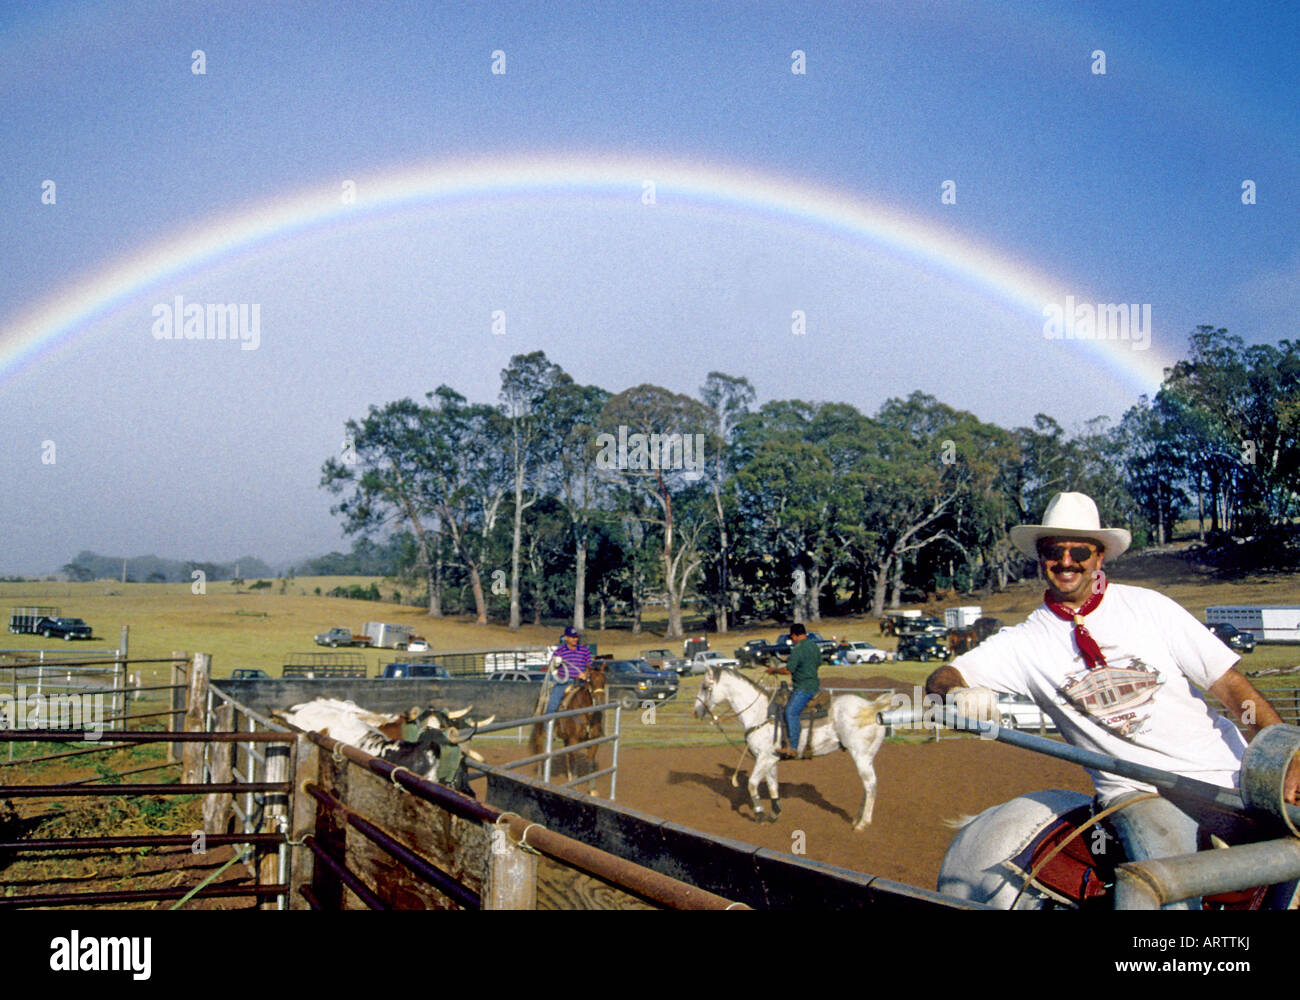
point(257, 629)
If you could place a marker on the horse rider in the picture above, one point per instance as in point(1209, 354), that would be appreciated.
point(1114, 665)
point(805, 660)
point(574, 661)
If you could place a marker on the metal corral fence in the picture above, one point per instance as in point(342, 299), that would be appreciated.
point(197, 746)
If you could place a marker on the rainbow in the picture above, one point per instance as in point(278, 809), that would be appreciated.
point(75, 309)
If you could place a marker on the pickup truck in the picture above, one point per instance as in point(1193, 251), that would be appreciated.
point(413, 669)
point(662, 659)
point(756, 652)
point(64, 628)
point(712, 658)
point(341, 637)
point(827, 648)
point(634, 682)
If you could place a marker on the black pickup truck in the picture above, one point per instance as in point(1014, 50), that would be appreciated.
point(757, 652)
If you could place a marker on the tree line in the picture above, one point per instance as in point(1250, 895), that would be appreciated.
point(565, 499)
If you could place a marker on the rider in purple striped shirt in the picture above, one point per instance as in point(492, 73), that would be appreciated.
point(574, 660)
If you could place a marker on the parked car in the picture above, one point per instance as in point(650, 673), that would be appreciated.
point(409, 670)
point(662, 659)
point(64, 628)
point(861, 651)
point(1016, 711)
point(922, 626)
point(712, 658)
point(336, 637)
point(1242, 642)
point(418, 644)
point(922, 646)
point(632, 682)
point(249, 674)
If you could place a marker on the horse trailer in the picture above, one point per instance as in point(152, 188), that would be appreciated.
point(963, 617)
point(385, 636)
point(1266, 622)
point(22, 621)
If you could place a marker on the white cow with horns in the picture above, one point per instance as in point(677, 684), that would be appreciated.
point(428, 742)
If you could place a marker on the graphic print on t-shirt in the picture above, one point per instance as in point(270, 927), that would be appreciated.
point(1114, 695)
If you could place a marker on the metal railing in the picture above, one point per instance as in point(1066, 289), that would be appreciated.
point(550, 753)
point(252, 764)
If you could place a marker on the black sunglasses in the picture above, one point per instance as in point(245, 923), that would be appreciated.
point(1079, 553)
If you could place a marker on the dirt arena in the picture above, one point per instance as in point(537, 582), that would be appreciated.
point(919, 785)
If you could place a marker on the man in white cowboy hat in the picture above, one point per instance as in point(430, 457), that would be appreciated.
point(1114, 666)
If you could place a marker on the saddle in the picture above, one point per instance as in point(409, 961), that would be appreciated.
point(818, 708)
point(1077, 876)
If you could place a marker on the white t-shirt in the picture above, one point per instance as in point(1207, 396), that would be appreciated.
point(1141, 707)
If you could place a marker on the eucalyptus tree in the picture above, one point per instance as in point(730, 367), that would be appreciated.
point(466, 465)
point(528, 384)
point(652, 441)
point(574, 412)
point(728, 399)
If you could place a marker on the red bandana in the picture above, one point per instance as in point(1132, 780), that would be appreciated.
point(1088, 647)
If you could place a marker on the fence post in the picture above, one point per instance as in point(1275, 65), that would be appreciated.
point(176, 722)
point(302, 820)
point(196, 702)
point(511, 882)
point(277, 769)
point(217, 807)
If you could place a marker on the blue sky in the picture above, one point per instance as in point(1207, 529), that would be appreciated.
point(1122, 187)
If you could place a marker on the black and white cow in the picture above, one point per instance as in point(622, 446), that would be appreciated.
point(427, 742)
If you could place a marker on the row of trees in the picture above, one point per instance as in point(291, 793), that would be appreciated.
point(564, 497)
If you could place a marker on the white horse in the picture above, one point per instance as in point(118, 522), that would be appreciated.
point(852, 726)
point(987, 863)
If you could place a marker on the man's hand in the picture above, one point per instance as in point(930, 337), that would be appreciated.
point(977, 704)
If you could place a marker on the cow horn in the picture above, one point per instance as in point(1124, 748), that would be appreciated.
point(463, 712)
point(487, 721)
point(473, 755)
point(455, 734)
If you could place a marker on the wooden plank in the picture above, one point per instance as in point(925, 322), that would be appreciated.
point(329, 831)
point(562, 888)
point(460, 848)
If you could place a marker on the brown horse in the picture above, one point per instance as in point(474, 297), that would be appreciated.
point(961, 640)
point(577, 728)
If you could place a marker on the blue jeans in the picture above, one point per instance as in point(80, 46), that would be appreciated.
point(1155, 828)
point(798, 699)
point(557, 695)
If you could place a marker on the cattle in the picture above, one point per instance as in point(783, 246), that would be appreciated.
point(427, 742)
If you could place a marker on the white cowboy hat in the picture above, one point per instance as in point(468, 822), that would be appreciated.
point(1070, 515)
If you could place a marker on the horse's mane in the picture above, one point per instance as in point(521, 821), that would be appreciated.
point(748, 680)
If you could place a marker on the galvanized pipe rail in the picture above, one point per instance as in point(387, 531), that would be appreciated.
point(1214, 799)
point(627, 875)
point(1150, 884)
